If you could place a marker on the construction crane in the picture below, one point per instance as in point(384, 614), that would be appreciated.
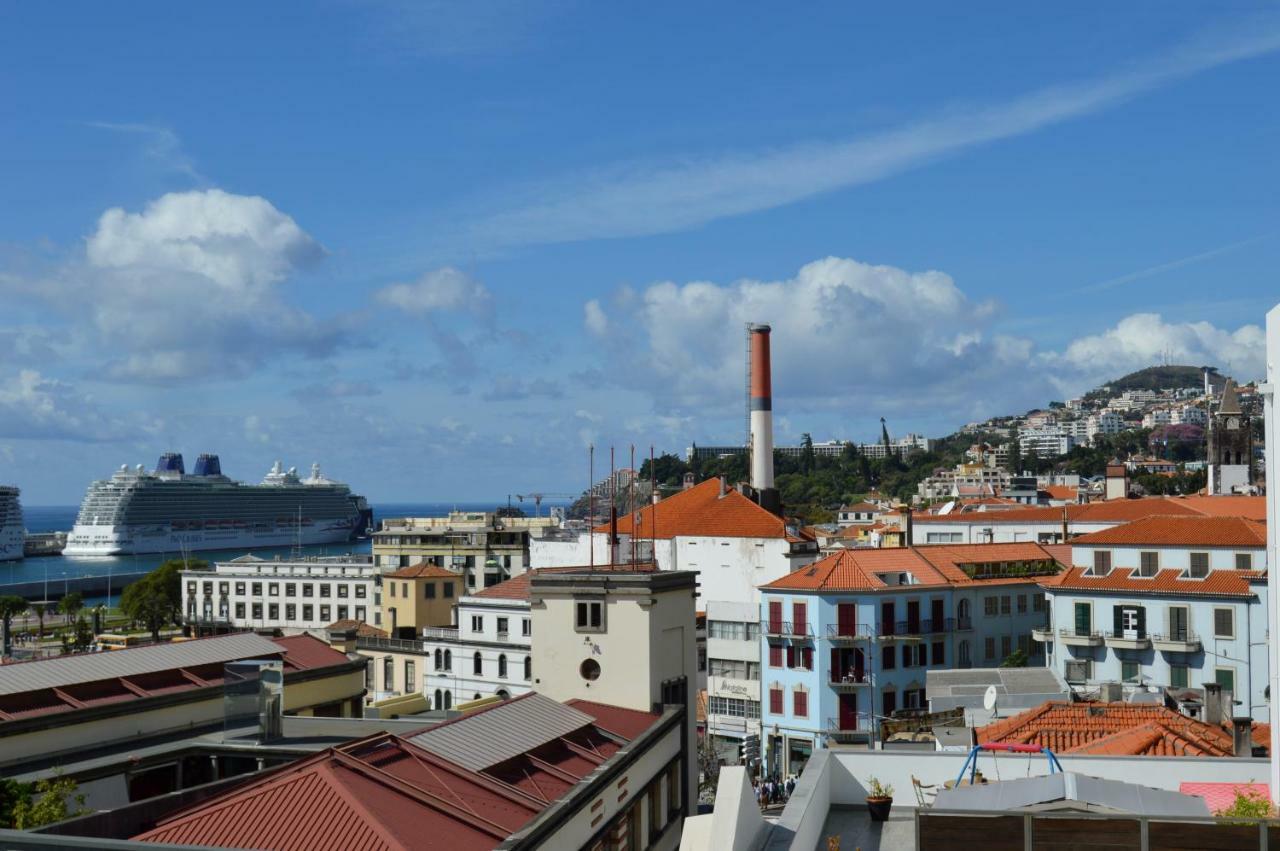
point(538, 497)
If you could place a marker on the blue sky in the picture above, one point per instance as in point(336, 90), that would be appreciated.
point(441, 248)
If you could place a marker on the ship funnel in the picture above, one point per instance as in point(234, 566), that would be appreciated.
point(762, 418)
point(208, 465)
point(170, 462)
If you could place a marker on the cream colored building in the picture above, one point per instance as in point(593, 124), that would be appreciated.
point(419, 596)
point(481, 545)
point(623, 636)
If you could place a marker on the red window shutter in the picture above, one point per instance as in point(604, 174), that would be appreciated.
point(806, 656)
point(802, 704)
point(798, 614)
point(791, 657)
point(775, 655)
point(775, 701)
point(775, 616)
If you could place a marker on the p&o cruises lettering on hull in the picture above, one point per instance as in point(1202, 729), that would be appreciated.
point(169, 510)
point(12, 534)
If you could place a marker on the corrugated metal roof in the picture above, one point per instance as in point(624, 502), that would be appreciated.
point(502, 732)
point(90, 667)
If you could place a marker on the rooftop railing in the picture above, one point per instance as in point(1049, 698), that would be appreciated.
point(849, 632)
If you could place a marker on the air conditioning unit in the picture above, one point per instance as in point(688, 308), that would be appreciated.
point(1110, 692)
point(1077, 670)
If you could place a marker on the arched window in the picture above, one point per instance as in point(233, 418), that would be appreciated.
point(963, 653)
point(504, 694)
point(448, 660)
point(477, 665)
point(528, 668)
point(448, 700)
point(388, 673)
point(962, 613)
point(439, 704)
point(439, 658)
point(477, 697)
point(502, 666)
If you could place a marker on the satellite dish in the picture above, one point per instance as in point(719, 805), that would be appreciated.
point(989, 699)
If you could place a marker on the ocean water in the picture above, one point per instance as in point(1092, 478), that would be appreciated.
point(60, 518)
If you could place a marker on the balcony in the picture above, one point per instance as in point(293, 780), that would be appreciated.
point(1080, 638)
point(1042, 634)
point(1178, 642)
point(849, 634)
point(795, 630)
point(1121, 641)
point(848, 681)
point(850, 730)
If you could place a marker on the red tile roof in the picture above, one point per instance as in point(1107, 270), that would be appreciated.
point(936, 564)
point(1218, 583)
point(515, 588)
point(1116, 729)
point(702, 512)
point(307, 651)
point(422, 570)
point(1220, 796)
point(363, 630)
point(1121, 510)
point(1161, 530)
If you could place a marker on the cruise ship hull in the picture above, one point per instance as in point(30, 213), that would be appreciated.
point(12, 531)
point(11, 538)
point(90, 541)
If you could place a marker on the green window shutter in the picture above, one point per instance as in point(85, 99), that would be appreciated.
point(1117, 619)
point(1142, 621)
point(1082, 618)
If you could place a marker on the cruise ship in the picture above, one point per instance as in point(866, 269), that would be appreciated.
point(169, 510)
point(11, 529)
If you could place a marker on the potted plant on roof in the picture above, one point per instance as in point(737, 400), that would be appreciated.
point(879, 799)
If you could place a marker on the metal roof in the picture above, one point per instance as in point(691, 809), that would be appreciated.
point(507, 730)
point(1070, 791)
point(90, 667)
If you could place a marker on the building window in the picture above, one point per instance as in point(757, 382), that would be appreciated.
point(888, 658)
point(342, 590)
point(800, 704)
point(1224, 623)
point(990, 606)
point(526, 627)
point(775, 700)
point(448, 589)
point(1084, 619)
point(257, 589)
point(502, 666)
point(528, 668)
point(360, 613)
point(1178, 676)
point(1244, 561)
point(324, 613)
point(388, 673)
point(361, 592)
point(889, 701)
point(477, 665)
point(1022, 604)
point(938, 655)
point(273, 589)
point(1130, 671)
point(257, 611)
point(342, 613)
point(1037, 602)
point(368, 677)
point(502, 627)
point(1078, 670)
point(1006, 646)
point(733, 707)
point(429, 589)
point(1101, 562)
point(589, 616)
point(239, 609)
point(239, 589)
point(1148, 563)
point(439, 703)
point(589, 669)
point(1199, 566)
point(1225, 677)
point(477, 623)
point(326, 590)
point(1006, 605)
point(962, 653)
point(439, 657)
point(989, 648)
point(291, 589)
point(273, 611)
point(410, 681)
point(306, 612)
point(307, 589)
point(775, 655)
point(290, 611)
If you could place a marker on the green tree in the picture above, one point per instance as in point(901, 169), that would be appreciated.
point(806, 453)
point(83, 634)
point(70, 605)
point(12, 793)
point(1248, 805)
point(1016, 659)
point(51, 801)
point(11, 606)
point(146, 603)
point(39, 609)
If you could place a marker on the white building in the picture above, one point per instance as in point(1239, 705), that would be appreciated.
point(487, 654)
point(1164, 601)
point(1188, 415)
point(1047, 442)
point(1105, 422)
point(1157, 417)
point(293, 596)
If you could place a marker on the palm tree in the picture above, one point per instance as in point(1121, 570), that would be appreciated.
point(38, 609)
point(70, 605)
point(11, 606)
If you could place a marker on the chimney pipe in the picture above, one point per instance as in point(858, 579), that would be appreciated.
point(1242, 736)
point(908, 527)
point(761, 409)
point(1213, 700)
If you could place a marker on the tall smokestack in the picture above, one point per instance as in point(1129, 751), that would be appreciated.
point(761, 409)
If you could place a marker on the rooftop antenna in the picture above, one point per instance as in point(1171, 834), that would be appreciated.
point(653, 512)
point(591, 501)
point(613, 510)
point(746, 372)
point(631, 502)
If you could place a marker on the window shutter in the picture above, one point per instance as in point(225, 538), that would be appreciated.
point(1117, 617)
point(775, 655)
point(775, 700)
point(801, 704)
point(791, 657)
point(775, 616)
point(1142, 621)
point(1082, 619)
point(798, 614)
point(806, 655)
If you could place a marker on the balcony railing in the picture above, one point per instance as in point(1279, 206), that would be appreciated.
point(407, 645)
point(788, 629)
point(1127, 640)
point(847, 632)
point(850, 729)
point(1079, 637)
point(1182, 641)
point(964, 624)
point(923, 626)
point(848, 680)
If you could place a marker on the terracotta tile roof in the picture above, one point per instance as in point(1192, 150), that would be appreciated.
point(1219, 583)
point(422, 570)
point(1116, 729)
point(702, 512)
point(515, 588)
point(937, 564)
point(1122, 510)
point(1061, 491)
point(362, 629)
point(1163, 530)
point(863, 507)
point(1253, 507)
point(1219, 796)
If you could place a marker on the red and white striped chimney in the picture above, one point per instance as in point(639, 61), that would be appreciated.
point(761, 409)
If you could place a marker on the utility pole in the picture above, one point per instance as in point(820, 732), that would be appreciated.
point(1272, 436)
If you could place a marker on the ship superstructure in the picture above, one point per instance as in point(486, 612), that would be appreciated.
point(170, 510)
point(11, 528)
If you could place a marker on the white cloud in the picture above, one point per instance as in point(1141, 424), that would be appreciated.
point(595, 319)
point(34, 407)
point(637, 199)
point(1143, 339)
point(161, 146)
point(445, 288)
